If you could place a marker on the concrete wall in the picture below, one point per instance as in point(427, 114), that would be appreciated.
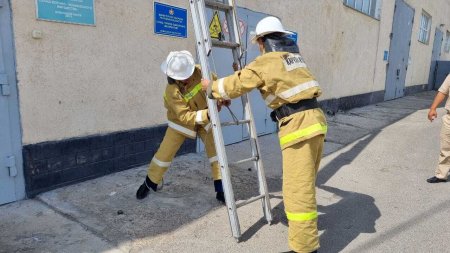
point(345, 48)
point(420, 54)
point(91, 96)
point(83, 80)
point(338, 43)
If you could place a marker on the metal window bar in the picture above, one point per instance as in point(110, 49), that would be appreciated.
point(447, 42)
point(422, 28)
point(364, 6)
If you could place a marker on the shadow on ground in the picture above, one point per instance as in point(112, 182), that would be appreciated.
point(188, 194)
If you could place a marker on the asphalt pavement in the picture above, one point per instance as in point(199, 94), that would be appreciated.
point(371, 192)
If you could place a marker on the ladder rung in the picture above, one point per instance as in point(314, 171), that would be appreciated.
point(218, 5)
point(235, 123)
point(248, 201)
point(224, 44)
point(253, 158)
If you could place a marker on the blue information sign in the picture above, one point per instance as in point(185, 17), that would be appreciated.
point(66, 11)
point(170, 20)
point(293, 36)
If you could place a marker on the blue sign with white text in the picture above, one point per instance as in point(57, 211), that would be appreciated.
point(294, 36)
point(66, 11)
point(170, 20)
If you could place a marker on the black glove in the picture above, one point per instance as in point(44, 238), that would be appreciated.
point(273, 116)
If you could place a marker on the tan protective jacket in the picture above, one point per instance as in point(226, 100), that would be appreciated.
point(281, 78)
point(186, 106)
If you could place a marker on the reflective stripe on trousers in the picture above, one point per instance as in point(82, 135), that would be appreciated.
point(182, 129)
point(301, 216)
point(300, 165)
point(167, 150)
point(321, 128)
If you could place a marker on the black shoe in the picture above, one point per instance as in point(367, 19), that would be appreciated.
point(220, 196)
point(142, 192)
point(144, 189)
point(433, 180)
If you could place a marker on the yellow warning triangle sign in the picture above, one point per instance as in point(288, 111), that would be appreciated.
point(215, 28)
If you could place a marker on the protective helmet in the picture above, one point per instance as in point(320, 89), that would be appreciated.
point(178, 65)
point(268, 25)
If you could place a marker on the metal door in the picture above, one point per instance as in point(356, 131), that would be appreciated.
point(221, 62)
point(435, 55)
point(399, 50)
point(264, 125)
point(442, 71)
point(11, 174)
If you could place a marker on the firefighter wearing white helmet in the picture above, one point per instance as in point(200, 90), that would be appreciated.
point(268, 25)
point(288, 87)
point(187, 115)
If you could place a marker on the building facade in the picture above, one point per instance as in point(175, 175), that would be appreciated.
point(81, 101)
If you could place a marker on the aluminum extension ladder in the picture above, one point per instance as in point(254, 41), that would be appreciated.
point(204, 45)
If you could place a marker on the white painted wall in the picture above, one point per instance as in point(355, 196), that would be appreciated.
point(338, 43)
point(421, 53)
point(83, 80)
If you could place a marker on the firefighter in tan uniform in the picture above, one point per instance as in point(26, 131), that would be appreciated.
point(287, 86)
point(187, 115)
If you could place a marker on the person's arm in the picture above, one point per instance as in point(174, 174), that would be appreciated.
point(233, 86)
point(432, 113)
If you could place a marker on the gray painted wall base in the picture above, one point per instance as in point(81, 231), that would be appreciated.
point(50, 165)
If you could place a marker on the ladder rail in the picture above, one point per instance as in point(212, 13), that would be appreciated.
point(215, 121)
point(256, 152)
point(200, 15)
point(233, 28)
point(204, 45)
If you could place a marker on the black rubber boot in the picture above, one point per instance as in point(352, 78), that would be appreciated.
point(220, 196)
point(144, 189)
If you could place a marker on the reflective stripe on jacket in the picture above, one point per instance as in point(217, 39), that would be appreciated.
point(186, 105)
point(281, 78)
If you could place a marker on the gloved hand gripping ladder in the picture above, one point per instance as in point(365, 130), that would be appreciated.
point(204, 45)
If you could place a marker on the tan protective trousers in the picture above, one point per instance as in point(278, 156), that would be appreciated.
point(444, 156)
point(171, 143)
point(300, 165)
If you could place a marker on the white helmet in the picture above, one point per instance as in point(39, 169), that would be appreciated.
point(178, 65)
point(268, 25)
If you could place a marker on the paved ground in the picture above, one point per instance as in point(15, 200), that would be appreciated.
point(372, 197)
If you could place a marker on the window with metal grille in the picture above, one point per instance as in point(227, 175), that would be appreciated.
point(368, 7)
point(447, 42)
point(425, 27)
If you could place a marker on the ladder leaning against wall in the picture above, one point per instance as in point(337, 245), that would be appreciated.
point(204, 44)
